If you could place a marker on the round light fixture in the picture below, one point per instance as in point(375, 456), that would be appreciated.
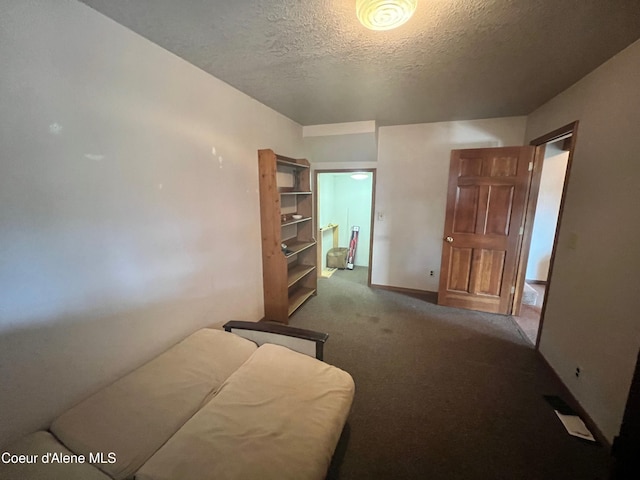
point(384, 14)
point(359, 176)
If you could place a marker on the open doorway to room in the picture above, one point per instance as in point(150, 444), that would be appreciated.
point(544, 210)
point(344, 200)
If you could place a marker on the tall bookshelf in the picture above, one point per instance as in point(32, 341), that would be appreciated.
point(288, 244)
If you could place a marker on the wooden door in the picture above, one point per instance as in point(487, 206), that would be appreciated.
point(486, 203)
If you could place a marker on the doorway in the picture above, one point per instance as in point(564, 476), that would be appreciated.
point(552, 164)
point(345, 199)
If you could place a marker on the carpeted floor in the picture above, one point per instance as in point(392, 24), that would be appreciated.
point(441, 393)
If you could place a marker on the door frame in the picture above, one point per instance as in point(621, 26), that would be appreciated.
point(373, 204)
point(530, 211)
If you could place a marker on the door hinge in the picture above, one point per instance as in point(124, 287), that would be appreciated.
point(513, 290)
point(531, 166)
point(521, 231)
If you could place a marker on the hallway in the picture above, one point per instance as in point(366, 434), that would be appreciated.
point(528, 321)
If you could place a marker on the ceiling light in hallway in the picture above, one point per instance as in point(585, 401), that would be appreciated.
point(384, 14)
point(359, 176)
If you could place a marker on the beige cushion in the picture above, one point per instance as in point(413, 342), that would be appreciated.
point(37, 445)
point(279, 417)
point(135, 415)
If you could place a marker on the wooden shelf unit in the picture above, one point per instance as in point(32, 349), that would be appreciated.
point(292, 221)
point(289, 276)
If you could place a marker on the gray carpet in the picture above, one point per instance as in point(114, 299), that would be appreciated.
point(441, 393)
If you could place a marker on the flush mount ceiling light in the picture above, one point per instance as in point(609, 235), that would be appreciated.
point(384, 14)
point(359, 176)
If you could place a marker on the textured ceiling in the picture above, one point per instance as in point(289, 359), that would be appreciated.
point(312, 61)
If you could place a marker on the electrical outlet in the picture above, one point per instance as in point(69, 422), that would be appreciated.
point(578, 372)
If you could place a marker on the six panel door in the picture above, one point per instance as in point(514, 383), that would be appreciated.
point(486, 202)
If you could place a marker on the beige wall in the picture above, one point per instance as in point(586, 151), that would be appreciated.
point(122, 230)
point(554, 168)
point(592, 318)
point(341, 143)
point(411, 190)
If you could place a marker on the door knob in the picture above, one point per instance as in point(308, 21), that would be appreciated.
point(449, 239)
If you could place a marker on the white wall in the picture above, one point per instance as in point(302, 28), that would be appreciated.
point(341, 143)
point(122, 230)
point(554, 168)
point(411, 189)
point(341, 148)
point(591, 319)
point(326, 198)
